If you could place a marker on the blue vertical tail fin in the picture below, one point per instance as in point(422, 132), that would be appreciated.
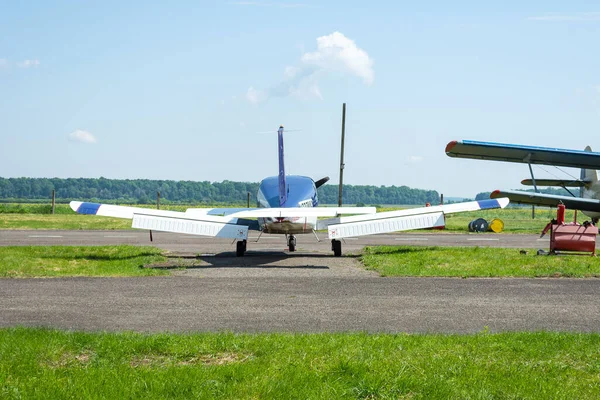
point(282, 185)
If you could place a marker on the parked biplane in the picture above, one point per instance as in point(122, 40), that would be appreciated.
point(588, 200)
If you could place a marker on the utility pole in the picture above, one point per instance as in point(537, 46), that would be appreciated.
point(342, 153)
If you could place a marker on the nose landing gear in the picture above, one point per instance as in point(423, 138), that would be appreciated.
point(292, 243)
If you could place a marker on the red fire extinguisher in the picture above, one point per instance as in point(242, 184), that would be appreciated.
point(560, 214)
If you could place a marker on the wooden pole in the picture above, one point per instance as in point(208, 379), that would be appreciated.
point(248, 199)
point(442, 199)
point(158, 200)
point(532, 212)
point(342, 154)
point(53, 200)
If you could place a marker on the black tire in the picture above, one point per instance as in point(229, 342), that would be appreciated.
point(336, 246)
point(240, 248)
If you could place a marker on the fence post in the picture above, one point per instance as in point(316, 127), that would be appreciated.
point(53, 200)
point(158, 200)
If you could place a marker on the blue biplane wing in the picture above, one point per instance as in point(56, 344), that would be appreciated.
point(523, 154)
point(549, 200)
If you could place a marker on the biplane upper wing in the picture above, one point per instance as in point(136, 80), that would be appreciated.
point(550, 200)
point(523, 154)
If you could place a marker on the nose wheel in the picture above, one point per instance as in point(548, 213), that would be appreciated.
point(292, 243)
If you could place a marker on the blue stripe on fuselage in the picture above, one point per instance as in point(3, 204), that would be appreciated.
point(88, 208)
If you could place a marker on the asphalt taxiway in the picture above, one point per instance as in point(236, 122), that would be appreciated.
point(271, 289)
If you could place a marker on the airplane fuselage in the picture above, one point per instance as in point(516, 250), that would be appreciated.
point(301, 192)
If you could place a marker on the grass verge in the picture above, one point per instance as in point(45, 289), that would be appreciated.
point(38, 363)
point(475, 262)
point(32, 216)
point(51, 261)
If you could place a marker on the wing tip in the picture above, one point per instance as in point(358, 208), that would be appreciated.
point(75, 205)
point(450, 146)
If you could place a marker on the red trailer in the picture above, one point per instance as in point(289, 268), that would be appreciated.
point(571, 236)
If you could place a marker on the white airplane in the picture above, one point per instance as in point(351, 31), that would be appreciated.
point(287, 204)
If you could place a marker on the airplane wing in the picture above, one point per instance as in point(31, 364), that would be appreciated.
point(171, 221)
point(395, 221)
point(554, 182)
point(201, 221)
point(575, 203)
point(523, 154)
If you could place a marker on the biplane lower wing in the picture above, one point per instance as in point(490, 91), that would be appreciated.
point(523, 154)
point(575, 203)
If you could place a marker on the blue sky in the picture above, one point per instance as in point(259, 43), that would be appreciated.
point(179, 90)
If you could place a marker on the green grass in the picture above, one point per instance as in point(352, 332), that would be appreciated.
point(53, 261)
point(62, 221)
point(36, 216)
point(37, 363)
point(475, 262)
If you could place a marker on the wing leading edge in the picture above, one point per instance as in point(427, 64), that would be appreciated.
point(523, 154)
point(541, 199)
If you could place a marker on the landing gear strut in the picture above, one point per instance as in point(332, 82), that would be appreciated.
point(292, 243)
point(336, 246)
point(240, 248)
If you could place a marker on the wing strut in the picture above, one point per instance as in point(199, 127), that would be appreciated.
point(528, 161)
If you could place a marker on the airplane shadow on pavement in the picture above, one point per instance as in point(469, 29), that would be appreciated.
point(252, 259)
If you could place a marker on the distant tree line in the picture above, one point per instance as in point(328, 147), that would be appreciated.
point(143, 191)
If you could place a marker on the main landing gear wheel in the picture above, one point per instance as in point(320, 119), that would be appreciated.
point(336, 246)
point(240, 248)
point(292, 243)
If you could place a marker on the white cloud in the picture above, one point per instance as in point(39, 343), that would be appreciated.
point(82, 137)
point(28, 64)
point(335, 54)
point(253, 95)
point(581, 16)
point(414, 159)
point(3, 63)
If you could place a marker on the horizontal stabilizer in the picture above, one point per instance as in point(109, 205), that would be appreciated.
point(523, 154)
point(549, 200)
point(285, 212)
point(189, 226)
point(393, 221)
point(554, 182)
